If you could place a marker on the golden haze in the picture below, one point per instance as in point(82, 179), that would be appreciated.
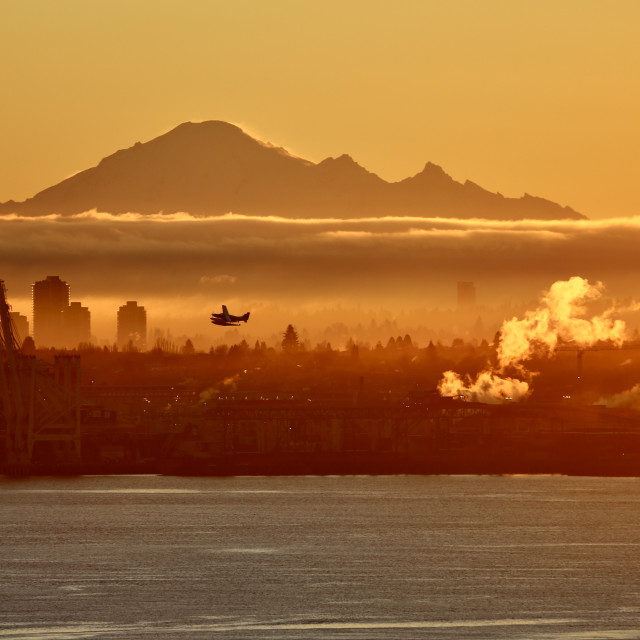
point(538, 97)
point(316, 273)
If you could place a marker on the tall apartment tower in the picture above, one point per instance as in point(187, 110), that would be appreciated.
point(76, 325)
point(466, 295)
point(132, 325)
point(50, 298)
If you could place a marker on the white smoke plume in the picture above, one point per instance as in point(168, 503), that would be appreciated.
point(629, 399)
point(558, 318)
point(488, 387)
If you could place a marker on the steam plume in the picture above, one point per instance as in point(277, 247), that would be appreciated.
point(629, 399)
point(488, 387)
point(559, 317)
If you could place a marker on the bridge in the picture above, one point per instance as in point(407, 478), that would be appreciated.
point(40, 402)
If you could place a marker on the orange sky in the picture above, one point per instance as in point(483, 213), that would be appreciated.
point(521, 96)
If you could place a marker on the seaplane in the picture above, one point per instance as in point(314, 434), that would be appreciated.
point(225, 319)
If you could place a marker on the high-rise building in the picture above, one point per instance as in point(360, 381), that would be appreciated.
point(50, 299)
point(20, 324)
point(466, 295)
point(56, 322)
point(132, 325)
point(76, 323)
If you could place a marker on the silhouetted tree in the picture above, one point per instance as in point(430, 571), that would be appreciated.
point(260, 349)
point(88, 347)
point(187, 348)
point(221, 350)
point(163, 345)
point(290, 340)
point(28, 346)
point(130, 347)
point(352, 348)
point(239, 350)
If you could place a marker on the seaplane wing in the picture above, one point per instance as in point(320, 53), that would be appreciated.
point(225, 319)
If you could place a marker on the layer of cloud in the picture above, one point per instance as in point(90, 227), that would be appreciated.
point(395, 260)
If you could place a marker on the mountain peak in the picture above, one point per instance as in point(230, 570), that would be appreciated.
point(342, 163)
point(213, 167)
point(432, 168)
point(202, 133)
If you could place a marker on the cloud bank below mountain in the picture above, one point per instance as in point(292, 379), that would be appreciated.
point(396, 260)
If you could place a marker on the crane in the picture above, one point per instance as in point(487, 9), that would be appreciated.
point(599, 346)
point(40, 402)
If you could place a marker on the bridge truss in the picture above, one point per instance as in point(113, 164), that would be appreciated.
point(39, 403)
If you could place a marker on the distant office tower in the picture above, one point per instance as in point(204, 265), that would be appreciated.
point(132, 325)
point(50, 299)
point(76, 325)
point(20, 324)
point(466, 295)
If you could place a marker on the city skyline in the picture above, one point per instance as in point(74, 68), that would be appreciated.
point(58, 322)
point(468, 318)
point(419, 410)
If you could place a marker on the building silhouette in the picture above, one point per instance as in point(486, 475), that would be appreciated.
point(50, 298)
point(466, 295)
point(20, 324)
point(132, 326)
point(56, 321)
point(76, 325)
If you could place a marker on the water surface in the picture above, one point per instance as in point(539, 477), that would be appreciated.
point(319, 557)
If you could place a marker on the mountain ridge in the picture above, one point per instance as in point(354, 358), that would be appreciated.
point(214, 167)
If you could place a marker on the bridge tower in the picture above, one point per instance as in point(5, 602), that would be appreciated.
point(39, 402)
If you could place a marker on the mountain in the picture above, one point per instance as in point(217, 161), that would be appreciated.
point(212, 168)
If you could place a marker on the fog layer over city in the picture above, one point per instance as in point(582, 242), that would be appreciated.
point(314, 272)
